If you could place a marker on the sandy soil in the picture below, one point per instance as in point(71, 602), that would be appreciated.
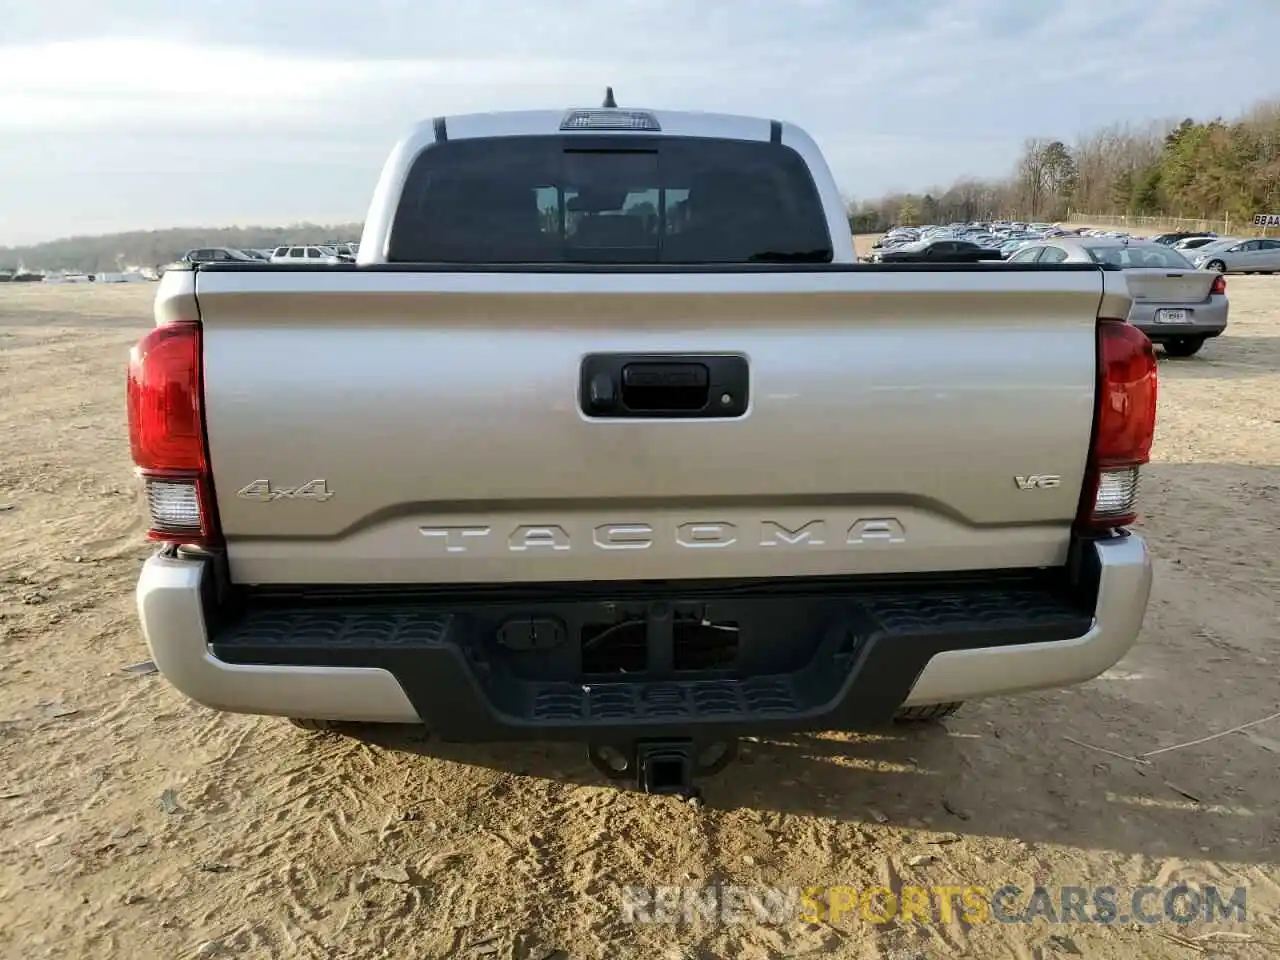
point(136, 824)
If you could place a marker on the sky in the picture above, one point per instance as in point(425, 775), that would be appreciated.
point(144, 114)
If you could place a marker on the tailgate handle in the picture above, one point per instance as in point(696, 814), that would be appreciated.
point(657, 387)
point(664, 376)
point(665, 387)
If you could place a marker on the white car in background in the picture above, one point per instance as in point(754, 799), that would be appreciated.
point(307, 253)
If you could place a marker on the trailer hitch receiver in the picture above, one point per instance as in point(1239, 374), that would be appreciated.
point(663, 766)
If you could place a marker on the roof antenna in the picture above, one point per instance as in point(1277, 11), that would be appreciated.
point(609, 102)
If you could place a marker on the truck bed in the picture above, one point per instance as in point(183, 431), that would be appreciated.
point(407, 424)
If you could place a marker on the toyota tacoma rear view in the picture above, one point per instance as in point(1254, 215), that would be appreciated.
point(607, 437)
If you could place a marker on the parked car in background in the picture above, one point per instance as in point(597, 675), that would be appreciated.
point(937, 251)
point(1016, 242)
point(216, 255)
point(1258, 255)
point(208, 255)
point(1174, 303)
point(306, 253)
point(1187, 244)
point(1168, 239)
point(342, 248)
point(895, 237)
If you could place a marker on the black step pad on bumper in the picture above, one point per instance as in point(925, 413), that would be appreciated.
point(850, 668)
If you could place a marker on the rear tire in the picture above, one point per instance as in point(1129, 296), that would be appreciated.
point(307, 723)
point(929, 713)
point(1183, 346)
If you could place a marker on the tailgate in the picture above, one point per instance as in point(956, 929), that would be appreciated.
point(427, 427)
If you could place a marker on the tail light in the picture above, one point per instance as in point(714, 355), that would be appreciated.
point(166, 435)
point(1123, 429)
point(1219, 284)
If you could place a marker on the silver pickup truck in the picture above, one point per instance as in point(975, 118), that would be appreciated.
point(606, 436)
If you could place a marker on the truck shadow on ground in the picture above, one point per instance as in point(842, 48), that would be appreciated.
point(1002, 770)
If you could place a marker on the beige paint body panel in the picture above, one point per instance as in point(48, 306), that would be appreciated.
point(438, 401)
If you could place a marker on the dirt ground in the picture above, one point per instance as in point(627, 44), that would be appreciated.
point(136, 824)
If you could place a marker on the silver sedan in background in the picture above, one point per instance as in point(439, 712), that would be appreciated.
point(1258, 255)
point(1175, 304)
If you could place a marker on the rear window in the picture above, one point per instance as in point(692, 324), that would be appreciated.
point(1153, 255)
point(592, 200)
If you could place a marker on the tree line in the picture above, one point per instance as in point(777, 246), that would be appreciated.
point(1209, 170)
point(151, 248)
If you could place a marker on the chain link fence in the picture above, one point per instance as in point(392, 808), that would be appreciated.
point(1225, 226)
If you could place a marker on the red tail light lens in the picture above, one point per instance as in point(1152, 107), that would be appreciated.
point(1127, 405)
point(1124, 426)
point(1219, 284)
point(166, 434)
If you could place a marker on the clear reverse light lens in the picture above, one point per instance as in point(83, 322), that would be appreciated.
point(174, 505)
point(1117, 493)
point(609, 119)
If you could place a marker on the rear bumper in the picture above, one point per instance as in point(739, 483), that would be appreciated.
point(1208, 319)
point(867, 655)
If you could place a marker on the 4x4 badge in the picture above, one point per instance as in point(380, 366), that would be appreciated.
point(316, 490)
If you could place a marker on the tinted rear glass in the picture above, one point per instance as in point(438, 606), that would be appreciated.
point(1149, 255)
point(553, 200)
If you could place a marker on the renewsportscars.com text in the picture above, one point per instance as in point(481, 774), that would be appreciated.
point(1106, 904)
